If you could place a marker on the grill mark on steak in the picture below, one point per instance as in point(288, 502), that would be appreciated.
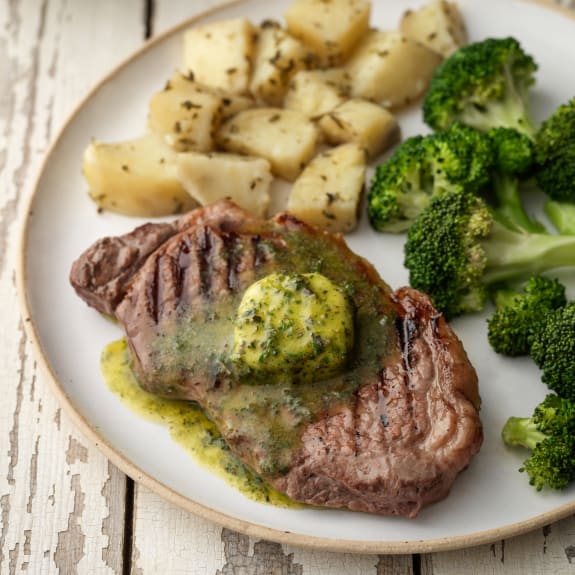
point(153, 293)
point(169, 284)
point(261, 255)
point(190, 274)
point(232, 244)
point(204, 249)
point(218, 263)
point(382, 408)
point(179, 265)
point(391, 446)
point(407, 330)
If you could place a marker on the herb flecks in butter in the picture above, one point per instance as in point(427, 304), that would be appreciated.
point(293, 326)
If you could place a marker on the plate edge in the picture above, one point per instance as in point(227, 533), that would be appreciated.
point(137, 474)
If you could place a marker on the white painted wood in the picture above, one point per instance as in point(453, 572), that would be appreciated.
point(61, 502)
point(547, 551)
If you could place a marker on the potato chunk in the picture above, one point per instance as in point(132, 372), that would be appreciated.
point(437, 25)
point(188, 114)
point(374, 128)
point(317, 92)
point(243, 179)
point(135, 177)
point(286, 138)
point(187, 120)
point(231, 103)
point(328, 192)
point(390, 69)
point(332, 28)
point(219, 54)
point(277, 58)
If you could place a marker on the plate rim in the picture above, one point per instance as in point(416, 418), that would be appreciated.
point(132, 470)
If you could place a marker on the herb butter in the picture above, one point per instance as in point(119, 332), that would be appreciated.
point(293, 326)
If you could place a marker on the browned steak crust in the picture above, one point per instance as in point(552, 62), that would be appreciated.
point(403, 440)
point(102, 273)
point(389, 436)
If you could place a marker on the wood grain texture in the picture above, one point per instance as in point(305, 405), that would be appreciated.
point(62, 504)
point(545, 551)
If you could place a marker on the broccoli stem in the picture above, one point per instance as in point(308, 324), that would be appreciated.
point(562, 216)
point(521, 431)
point(509, 112)
point(504, 297)
point(510, 210)
point(513, 255)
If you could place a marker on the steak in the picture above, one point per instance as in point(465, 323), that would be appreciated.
point(389, 435)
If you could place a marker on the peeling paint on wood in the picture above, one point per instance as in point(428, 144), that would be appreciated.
point(62, 505)
point(51, 481)
point(4, 510)
point(70, 547)
point(113, 491)
point(32, 484)
point(76, 451)
point(267, 558)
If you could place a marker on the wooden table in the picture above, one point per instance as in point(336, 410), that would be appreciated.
point(64, 508)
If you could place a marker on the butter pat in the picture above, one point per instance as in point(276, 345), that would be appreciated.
point(297, 327)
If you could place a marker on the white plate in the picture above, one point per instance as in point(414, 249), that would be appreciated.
point(489, 501)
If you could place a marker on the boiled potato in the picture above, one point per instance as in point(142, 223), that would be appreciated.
point(219, 54)
point(243, 179)
point(317, 92)
point(286, 138)
point(231, 103)
point(188, 121)
point(328, 191)
point(374, 128)
point(135, 177)
point(437, 25)
point(188, 113)
point(278, 57)
point(332, 28)
point(390, 69)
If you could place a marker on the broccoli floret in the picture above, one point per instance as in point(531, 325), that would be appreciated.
point(514, 158)
point(555, 154)
point(520, 314)
point(551, 463)
point(553, 351)
point(483, 85)
point(398, 191)
point(561, 215)
point(423, 166)
point(549, 434)
point(460, 157)
point(514, 152)
point(456, 249)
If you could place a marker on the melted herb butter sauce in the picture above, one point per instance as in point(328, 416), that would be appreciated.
point(188, 426)
point(266, 421)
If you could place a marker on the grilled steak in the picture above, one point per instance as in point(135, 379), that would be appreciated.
point(387, 436)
